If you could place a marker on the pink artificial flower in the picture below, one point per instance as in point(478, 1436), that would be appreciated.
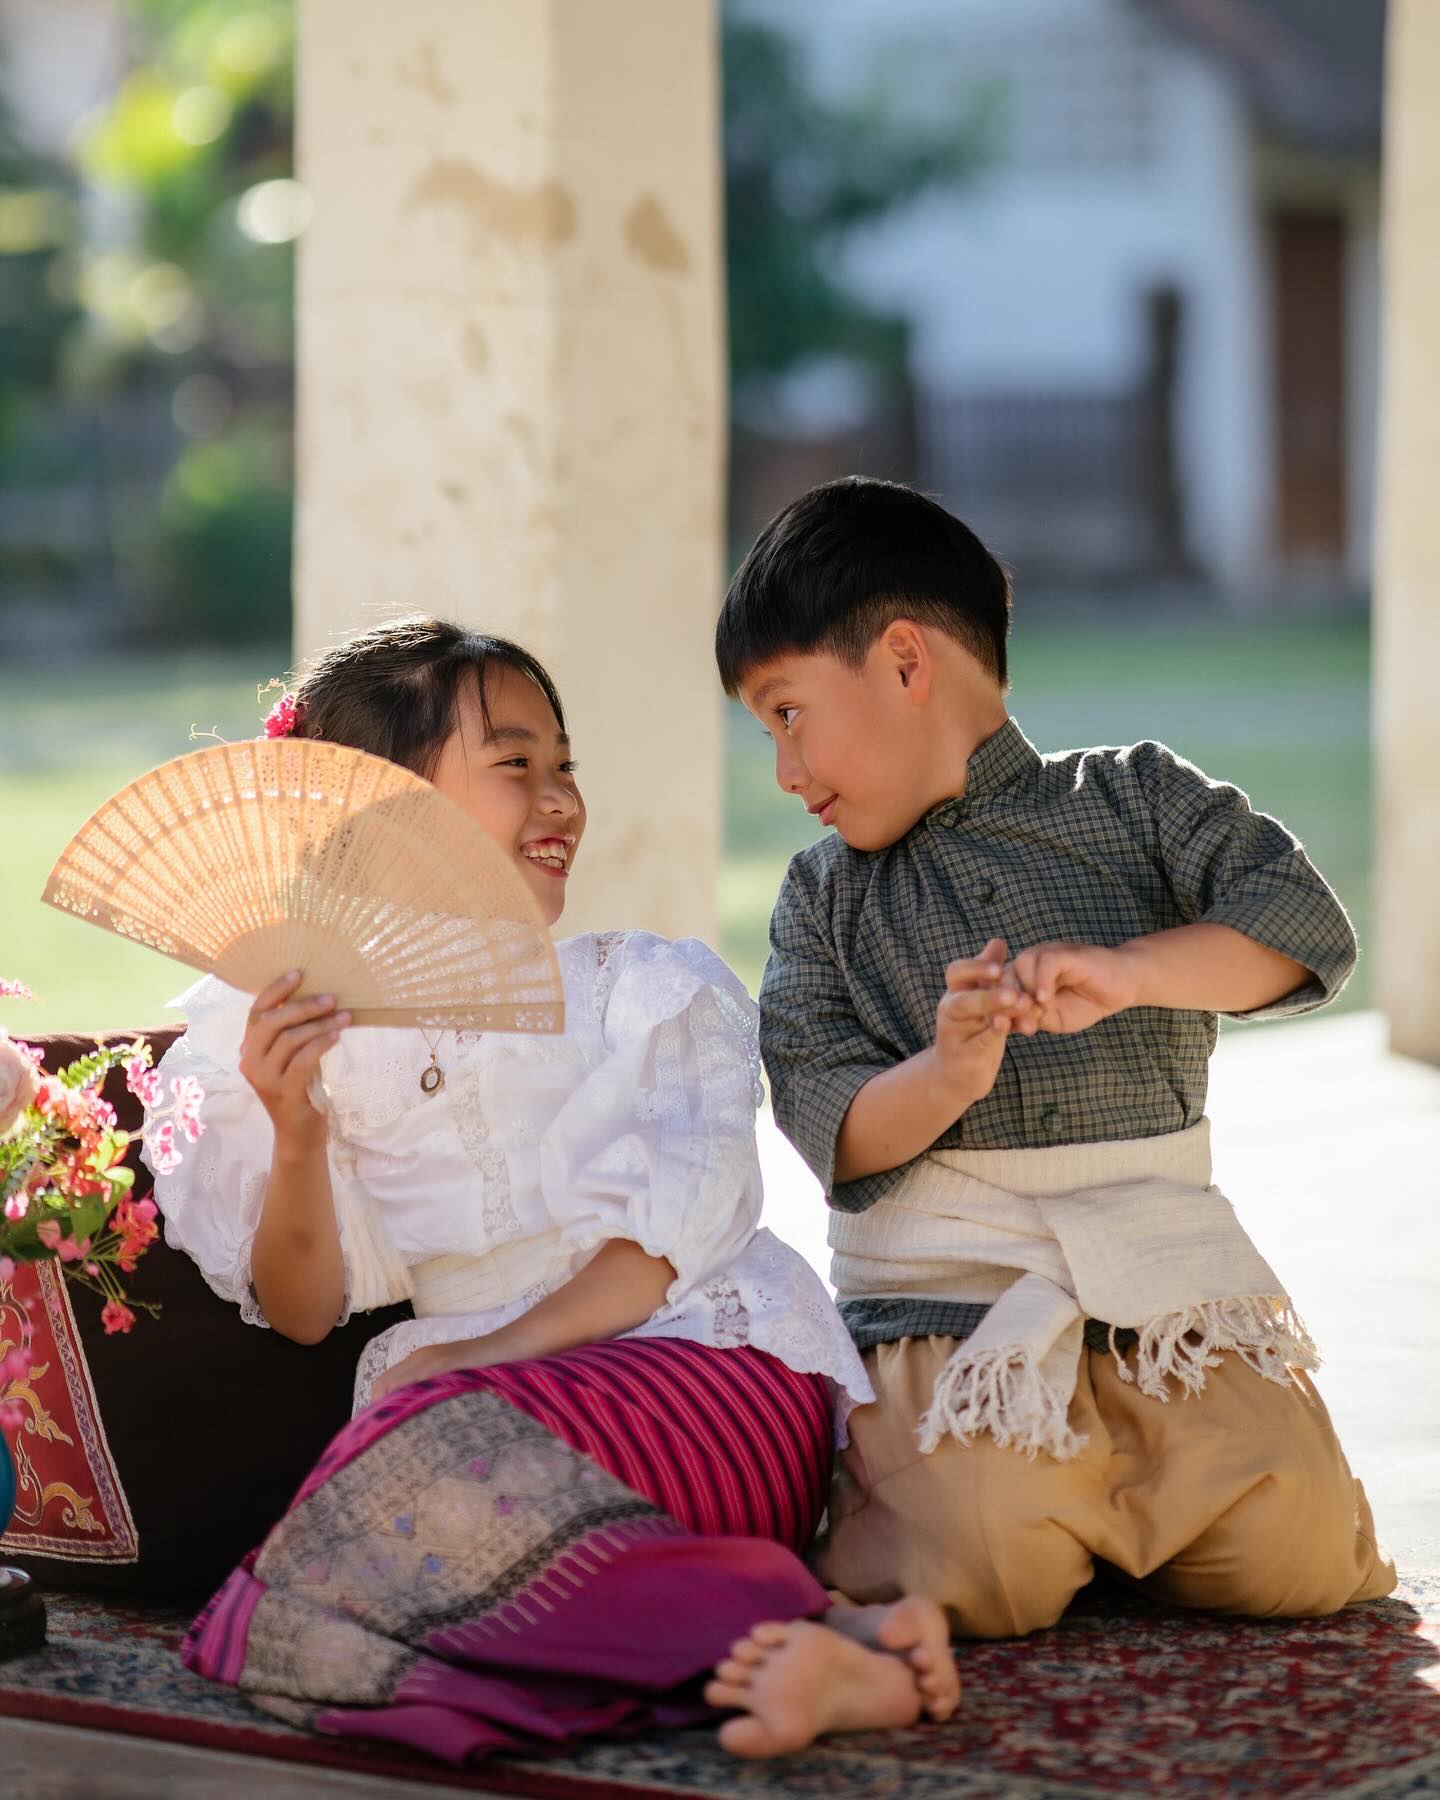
point(144, 1082)
point(189, 1096)
point(102, 1115)
point(52, 1099)
point(14, 990)
point(134, 1222)
point(7, 1268)
point(71, 1251)
point(17, 1206)
point(48, 1232)
point(284, 716)
point(164, 1157)
point(115, 1317)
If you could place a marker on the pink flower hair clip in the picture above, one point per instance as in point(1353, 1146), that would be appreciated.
point(286, 715)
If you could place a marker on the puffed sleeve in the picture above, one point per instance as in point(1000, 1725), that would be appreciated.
point(817, 1053)
point(211, 1202)
point(1230, 865)
point(657, 1143)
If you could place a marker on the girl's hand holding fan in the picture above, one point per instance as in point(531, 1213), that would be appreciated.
point(285, 1038)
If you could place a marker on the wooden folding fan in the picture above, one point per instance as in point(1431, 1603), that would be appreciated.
point(249, 859)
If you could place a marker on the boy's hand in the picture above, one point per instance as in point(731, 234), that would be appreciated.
point(980, 1008)
point(1072, 986)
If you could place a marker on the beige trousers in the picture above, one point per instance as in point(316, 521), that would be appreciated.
point(1237, 1499)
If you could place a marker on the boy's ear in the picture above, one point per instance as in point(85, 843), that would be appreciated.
point(906, 649)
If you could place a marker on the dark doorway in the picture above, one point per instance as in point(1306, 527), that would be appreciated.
point(1307, 252)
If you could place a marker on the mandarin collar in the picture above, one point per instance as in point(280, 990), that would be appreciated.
point(1005, 756)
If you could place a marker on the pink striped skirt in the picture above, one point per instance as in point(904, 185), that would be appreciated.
point(527, 1556)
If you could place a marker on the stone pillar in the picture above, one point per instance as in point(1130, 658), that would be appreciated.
point(1407, 610)
point(511, 380)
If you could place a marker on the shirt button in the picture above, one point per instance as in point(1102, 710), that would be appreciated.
point(1050, 1119)
point(984, 890)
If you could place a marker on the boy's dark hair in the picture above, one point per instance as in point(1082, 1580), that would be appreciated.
point(394, 691)
point(833, 568)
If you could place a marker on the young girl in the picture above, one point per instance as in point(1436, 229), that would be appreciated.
point(577, 1482)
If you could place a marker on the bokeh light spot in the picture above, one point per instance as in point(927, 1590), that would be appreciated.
point(274, 212)
point(200, 114)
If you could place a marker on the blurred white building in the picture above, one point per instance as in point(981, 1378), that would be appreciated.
point(1146, 335)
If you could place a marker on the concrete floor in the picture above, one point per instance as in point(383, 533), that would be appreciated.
point(1330, 1149)
point(55, 1762)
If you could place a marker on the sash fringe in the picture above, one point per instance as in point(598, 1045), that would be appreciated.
point(1263, 1330)
point(1004, 1392)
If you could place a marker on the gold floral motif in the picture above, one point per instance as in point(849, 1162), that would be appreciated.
point(41, 1423)
point(77, 1515)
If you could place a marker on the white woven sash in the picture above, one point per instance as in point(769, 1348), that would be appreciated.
point(1131, 1232)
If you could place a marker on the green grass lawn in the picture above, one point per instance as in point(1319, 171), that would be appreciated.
point(1281, 708)
point(69, 738)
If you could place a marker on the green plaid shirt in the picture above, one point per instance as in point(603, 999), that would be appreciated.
point(1090, 846)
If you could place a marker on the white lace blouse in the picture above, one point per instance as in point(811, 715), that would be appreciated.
point(639, 1123)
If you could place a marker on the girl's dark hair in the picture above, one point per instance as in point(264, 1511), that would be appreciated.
point(833, 568)
point(394, 691)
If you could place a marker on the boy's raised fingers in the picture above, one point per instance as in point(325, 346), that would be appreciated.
point(973, 971)
point(960, 977)
point(976, 1007)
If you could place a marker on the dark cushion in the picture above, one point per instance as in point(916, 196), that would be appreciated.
point(150, 1463)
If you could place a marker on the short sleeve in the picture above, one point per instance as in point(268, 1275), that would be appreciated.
point(817, 1053)
point(1227, 864)
point(211, 1203)
point(657, 1143)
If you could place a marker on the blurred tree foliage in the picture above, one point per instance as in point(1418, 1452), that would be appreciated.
point(37, 313)
point(186, 313)
point(803, 174)
point(199, 138)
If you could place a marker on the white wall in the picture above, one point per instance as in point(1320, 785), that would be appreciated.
point(1035, 276)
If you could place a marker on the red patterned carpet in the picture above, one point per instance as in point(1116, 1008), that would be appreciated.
point(1120, 1699)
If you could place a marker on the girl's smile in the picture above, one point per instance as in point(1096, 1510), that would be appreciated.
point(508, 765)
point(551, 855)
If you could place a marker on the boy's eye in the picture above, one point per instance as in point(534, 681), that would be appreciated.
point(785, 714)
point(515, 762)
point(569, 768)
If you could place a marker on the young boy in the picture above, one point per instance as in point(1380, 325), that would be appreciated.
point(986, 1019)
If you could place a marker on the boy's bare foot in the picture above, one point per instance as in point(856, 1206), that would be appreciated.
point(793, 1682)
point(913, 1628)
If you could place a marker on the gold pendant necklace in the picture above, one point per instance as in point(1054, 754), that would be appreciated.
point(433, 1078)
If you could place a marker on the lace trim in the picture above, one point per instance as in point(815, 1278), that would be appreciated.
point(607, 944)
point(498, 1218)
